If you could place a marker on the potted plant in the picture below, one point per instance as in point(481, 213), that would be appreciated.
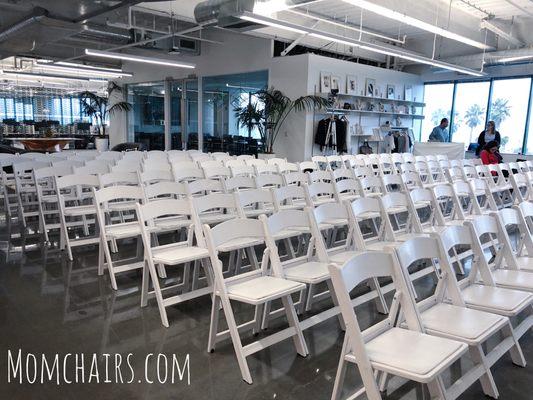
point(270, 112)
point(98, 108)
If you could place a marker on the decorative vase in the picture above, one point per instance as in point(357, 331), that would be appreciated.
point(101, 144)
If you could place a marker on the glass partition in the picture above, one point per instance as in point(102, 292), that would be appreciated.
point(439, 100)
point(221, 96)
point(191, 113)
point(148, 114)
point(176, 139)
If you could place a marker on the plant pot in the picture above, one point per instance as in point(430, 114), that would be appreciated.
point(101, 144)
point(266, 156)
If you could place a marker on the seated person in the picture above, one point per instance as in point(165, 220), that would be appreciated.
point(488, 135)
point(490, 154)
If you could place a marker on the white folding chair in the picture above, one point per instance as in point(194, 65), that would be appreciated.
point(384, 347)
point(267, 181)
point(254, 288)
point(192, 249)
point(152, 176)
point(201, 187)
point(239, 183)
point(319, 193)
point(295, 178)
point(289, 198)
point(187, 174)
point(254, 202)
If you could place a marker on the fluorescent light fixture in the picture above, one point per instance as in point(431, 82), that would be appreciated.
point(405, 19)
point(517, 58)
point(69, 64)
point(141, 59)
point(80, 71)
point(261, 19)
point(362, 45)
point(45, 76)
point(269, 6)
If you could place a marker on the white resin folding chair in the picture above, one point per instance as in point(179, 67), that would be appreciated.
point(26, 190)
point(514, 304)
point(341, 174)
point(321, 162)
point(511, 223)
point(92, 169)
point(371, 186)
point(235, 162)
point(187, 174)
point(386, 165)
point(220, 172)
point(287, 167)
point(347, 189)
point(522, 189)
point(384, 347)
point(152, 176)
point(276, 161)
point(125, 166)
point(453, 320)
point(191, 249)
point(47, 200)
point(201, 187)
point(211, 164)
point(109, 155)
point(334, 162)
point(481, 190)
point(500, 190)
point(295, 178)
point(411, 180)
point(184, 164)
point(165, 190)
point(113, 228)
point(307, 166)
point(408, 158)
point(267, 181)
point(254, 202)
point(468, 200)
point(266, 169)
point(400, 213)
point(134, 155)
point(239, 183)
point(320, 176)
point(220, 156)
point(526, 215)
point(253, 161)
point(244, 157)
point(289, 198)
point(77, 210)
point(319, 193)
point(455, 174)
point(501, 262)
point(215, 208)
point(392, 183)
point(68, 164)
point(200, 157)
point(119, 178)
point(437, 174)
point(156, 164)
point(242, 170)
point(254, 288)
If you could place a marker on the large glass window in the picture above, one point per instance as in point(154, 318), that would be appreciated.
point(222, 95)
point(191, 113)
point(438, 99)
point(148, 116)
point(508, 109)
point(470, 111)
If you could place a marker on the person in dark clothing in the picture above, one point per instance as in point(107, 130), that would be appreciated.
point(489, 134)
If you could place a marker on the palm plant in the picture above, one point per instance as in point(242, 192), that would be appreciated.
point(473, 117)
point(97, 107)
point(271, 110)
point(500, 110)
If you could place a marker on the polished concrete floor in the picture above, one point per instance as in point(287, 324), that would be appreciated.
point(50, 306)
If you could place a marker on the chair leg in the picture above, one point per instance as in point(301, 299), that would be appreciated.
point(158, 293)
point(213, 326)
point(298, 337)
point(101, 258)
point(236, 339)
point(266, 315)
point(258, 314)
point(107, 253)
point(336, 302)
point(341, 371)
point(309, 299)
point(145, 284)
point(516, 351)
point(437, 390)
point(487, 380)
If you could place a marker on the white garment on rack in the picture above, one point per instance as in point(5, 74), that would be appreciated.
point(332, 134)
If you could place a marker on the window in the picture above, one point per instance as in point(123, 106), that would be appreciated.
point(508, 109)
point(438, 99)
point(470, 111)
point(148, 114)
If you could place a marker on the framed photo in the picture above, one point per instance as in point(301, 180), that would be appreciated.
point(408, 95)
point(351, 85)
point(370, 87)
point(391, 91)
point(325, 82)
point(335, 83)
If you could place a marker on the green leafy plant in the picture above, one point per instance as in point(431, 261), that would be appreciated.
point(474, 117)
point(500, 110)
point(271, 110)
point(97, 107)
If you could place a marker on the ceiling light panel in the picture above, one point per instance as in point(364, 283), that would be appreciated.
point(139, 59)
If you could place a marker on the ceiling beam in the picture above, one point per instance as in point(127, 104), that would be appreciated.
point(296, 41)
point(519, 7)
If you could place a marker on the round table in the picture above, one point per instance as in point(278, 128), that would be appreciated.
point(43, 143)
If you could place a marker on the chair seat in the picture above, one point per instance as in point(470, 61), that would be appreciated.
point(521, 280)
point(294, 206)
point(396, 209)
point(122, 205)
point(239, 243)
point(252, 212)
point(261, 289)
point(178, 254)
point(215, 218)
point(309, 272)
point(499, 300)
point(461, 323)
point(334, 222)
point(525, 263)
point(291, 232)
point(404, 237)
point(368, 215)
point(125, 230)
point(348, 197)
point(322, 200)
point(380, 245)
point(80, 210)
point(413, 355)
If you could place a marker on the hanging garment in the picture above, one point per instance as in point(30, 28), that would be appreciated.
point(341, 130)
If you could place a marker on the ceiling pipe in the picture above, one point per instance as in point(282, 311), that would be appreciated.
point(36, 15)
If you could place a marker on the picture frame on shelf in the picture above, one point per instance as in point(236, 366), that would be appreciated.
point(351, 85)
point(335, 83)
point(325, 82)
point(408, 95)
point(370, 87)
point(391, 92)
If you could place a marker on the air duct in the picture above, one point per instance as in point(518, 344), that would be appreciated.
point(36, 15)
point(224, 13)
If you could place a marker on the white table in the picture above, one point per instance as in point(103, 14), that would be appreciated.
point(454, 151)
